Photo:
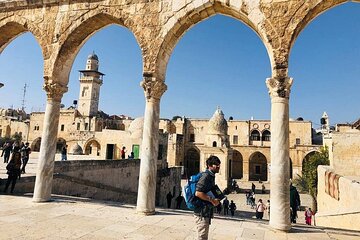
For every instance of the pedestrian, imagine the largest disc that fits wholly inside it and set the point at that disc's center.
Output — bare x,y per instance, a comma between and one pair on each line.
179,199
232,208
25,150
294,202
131,156
6,152
16,147
204,212
308,216
268,207
64,153
253,187
123,151
13,171
169,197
247,195
226,206
260,209
263,189
219,208
252,200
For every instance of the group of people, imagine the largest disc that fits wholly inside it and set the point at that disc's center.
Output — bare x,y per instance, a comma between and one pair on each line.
179,200
16,156
123,153
226,206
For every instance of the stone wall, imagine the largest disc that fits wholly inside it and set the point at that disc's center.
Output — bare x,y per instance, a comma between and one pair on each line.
342,213
104,180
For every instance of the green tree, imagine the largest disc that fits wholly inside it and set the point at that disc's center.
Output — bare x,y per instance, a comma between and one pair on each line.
310,175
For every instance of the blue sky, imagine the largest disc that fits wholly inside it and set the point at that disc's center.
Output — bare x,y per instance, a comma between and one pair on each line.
218,62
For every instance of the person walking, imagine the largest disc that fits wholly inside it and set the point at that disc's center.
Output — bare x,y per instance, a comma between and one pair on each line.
64,153
179,199
308,216
13,171
232,208
294,202
226,206
6,152
253,187
25,150
260,209
204,213
169,197
268,207
123,151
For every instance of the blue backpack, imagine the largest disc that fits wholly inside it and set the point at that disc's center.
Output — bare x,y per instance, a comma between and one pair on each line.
189,192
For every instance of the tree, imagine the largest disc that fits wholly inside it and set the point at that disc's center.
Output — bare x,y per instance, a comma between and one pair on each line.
310,175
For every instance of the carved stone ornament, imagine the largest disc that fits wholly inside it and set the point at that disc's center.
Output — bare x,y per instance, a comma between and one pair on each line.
153,88
279,87
54,90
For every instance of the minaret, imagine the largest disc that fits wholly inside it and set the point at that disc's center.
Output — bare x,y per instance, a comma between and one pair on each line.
90,81
325,124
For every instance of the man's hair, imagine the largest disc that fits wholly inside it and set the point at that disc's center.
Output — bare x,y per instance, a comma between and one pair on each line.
212,160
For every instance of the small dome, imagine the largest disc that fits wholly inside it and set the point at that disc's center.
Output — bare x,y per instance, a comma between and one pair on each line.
77,150
93,56
136,128
218,124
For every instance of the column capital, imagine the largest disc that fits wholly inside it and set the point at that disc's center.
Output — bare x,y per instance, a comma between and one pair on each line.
54,90
279,86
153,88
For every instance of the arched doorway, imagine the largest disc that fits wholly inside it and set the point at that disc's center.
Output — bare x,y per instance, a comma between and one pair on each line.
192,162
60,144
35,145
236,165
92,148
306,160
258,167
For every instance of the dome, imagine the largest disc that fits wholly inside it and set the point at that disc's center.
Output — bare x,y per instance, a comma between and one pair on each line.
136,127
218,124
93,56
77,150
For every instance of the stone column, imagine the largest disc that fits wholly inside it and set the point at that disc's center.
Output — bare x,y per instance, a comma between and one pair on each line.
44,174
153,89
279,90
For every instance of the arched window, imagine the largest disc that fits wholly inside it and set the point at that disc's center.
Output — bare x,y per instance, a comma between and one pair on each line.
255,135
214,144
266,136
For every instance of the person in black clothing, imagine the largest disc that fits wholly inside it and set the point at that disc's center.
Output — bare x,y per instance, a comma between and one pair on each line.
205,211
169,197
232,208
6,152
226,206
179,200
64,153
253,187
294,202
25,150
13,170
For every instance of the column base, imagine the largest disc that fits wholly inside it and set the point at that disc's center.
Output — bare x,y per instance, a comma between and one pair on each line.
145,213
41,200
280,227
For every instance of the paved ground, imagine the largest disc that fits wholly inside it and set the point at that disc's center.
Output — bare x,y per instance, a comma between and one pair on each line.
77,218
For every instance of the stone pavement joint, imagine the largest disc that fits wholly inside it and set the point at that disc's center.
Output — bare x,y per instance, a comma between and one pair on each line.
69,217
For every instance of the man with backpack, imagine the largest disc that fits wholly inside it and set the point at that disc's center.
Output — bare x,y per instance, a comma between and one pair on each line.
203,211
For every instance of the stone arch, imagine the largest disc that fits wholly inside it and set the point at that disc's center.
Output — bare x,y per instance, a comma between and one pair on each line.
35,145
192,162
186,18
258,167
306,159
266,135
255,135
72,41
92,147
60,143
13,27
305,14
236,165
